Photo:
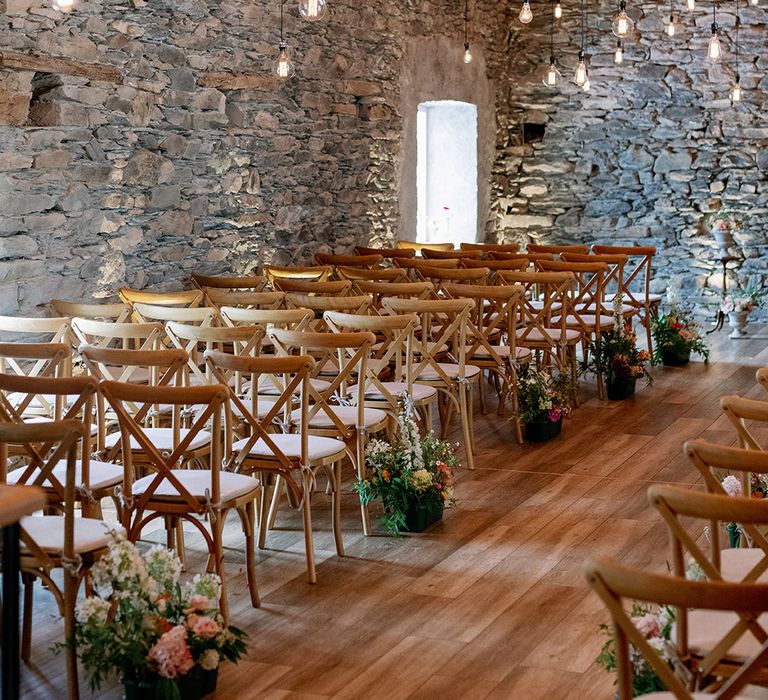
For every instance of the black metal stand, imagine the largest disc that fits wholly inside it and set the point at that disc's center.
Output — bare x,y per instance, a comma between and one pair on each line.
10,623
720,318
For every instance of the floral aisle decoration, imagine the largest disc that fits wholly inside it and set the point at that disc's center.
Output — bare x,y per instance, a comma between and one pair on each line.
411,475
656,627
616,357
164,638
737,305
675,336
722,226
542,402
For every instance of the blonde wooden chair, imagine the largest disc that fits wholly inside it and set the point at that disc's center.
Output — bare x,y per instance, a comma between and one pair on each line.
441,276
318,305
556,249
614,279
381,274
443,336
364,261
413,265
491,247
116,313
190,298
331,288
419,247
57,549
219,298
240,283
285,455
388,253
184,495
428,254
742,412
493,265
29,329
618,586
316,273
406,290
199,315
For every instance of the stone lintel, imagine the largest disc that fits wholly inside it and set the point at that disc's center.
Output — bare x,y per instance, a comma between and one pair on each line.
58,64
237,81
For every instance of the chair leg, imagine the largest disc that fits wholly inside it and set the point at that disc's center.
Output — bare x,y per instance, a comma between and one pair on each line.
465,426
360,470
217,527
277,494
248,516
482,393
70,600
336,503
266,484
306,480
26,627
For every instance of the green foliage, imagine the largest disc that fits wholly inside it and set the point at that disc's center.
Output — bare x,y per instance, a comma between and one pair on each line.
677,332
542,395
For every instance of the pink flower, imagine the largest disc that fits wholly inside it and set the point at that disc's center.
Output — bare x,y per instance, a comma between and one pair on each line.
206,627
199,602
732,485
647,625
171,654
555,414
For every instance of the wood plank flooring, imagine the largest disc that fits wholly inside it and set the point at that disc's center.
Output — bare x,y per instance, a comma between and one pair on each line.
491,602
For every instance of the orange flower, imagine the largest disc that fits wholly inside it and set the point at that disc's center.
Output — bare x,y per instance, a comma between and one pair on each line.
385,475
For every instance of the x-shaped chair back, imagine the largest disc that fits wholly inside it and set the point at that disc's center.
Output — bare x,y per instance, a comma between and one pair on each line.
243,283
55,330
494,265
126,336
407,290
443,324
614,279
618,586
198,315
206,403
440,276
342,357
379,274
79,410
293,319
195,340
35,360
318,273
318,305
637,274
391,357
219,298
190,298
414,266
289,373
330,288
740,412
115,313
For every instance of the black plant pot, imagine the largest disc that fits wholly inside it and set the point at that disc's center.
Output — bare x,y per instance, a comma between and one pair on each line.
194,686
420,516
139,690
675,357
543,430
620,389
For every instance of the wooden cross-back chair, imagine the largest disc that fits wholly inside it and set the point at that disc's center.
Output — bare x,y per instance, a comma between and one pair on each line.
695,629
380,274
619,586
29,329
116,313
316,273
494,265
740,412
274,454
414,265
418,247
491,247
428,254
60,542
439,358
364,261
378,290
241,283
543,313
199,315
614,278
637,282
388,253
189,298
343,359
492,339
318,305
331,288
531,258
556,249
183,495
94,479
219,298
440,276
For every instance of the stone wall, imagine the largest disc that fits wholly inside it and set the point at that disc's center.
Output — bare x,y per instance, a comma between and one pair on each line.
652,150
141,141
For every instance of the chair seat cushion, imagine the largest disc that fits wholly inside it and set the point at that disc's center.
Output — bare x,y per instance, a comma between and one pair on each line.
290,445
429,373
346,414
419,392
102,474
138,375
707,627
737,562
47,531
267,386
589,320
162,438
197,482
501,350
537,336
264,406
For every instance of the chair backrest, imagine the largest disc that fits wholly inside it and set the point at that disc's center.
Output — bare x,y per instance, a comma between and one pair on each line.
318,273
380,274
390,357
35,360
715,462
341,357
541,248
190,298
428,254
55,330
117,313
368,261
335,288
440,276
493,265
378,290
740,412
614,280
386,252
218,298
491,247
637,272
530,257
617,586
199,315
291,376
295,319
320,304
418,247
244,283
205,403
129,336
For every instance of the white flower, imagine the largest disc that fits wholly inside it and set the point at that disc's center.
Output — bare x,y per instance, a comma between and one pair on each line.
92,611
732,485
121,567
208,585
163,566
694,572
209,661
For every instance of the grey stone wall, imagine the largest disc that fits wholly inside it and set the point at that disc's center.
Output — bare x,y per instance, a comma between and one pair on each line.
652,150
140,141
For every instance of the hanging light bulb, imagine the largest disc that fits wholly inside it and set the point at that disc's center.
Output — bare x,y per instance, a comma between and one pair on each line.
754,2
284,68
713,49
467,53
558,10
65,6
671,26
551,76
525,12
580,76
691,5
622,24
618,55
736,90
313,10
587,85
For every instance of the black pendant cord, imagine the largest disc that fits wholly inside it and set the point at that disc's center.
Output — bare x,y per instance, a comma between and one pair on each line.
466,23
552,36
738,24
671,11
714,16
582,26
282,3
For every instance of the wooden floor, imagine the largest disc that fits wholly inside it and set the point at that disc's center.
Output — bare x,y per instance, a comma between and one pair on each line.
491,602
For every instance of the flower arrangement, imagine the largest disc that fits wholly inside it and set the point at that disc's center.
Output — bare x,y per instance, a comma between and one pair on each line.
740,300
542,395
656,628
676,333
407,472
723,222
147,626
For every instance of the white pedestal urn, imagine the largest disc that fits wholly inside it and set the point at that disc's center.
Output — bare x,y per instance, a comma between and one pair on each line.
738,320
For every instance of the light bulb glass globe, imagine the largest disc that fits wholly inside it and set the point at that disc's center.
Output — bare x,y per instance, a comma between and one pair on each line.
754,2
525,13
736,93
622,24
284,68
713,49
467,58
691,4
313,10
618,55
671,27
65,6
551,76
587,85
580,76
558,10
